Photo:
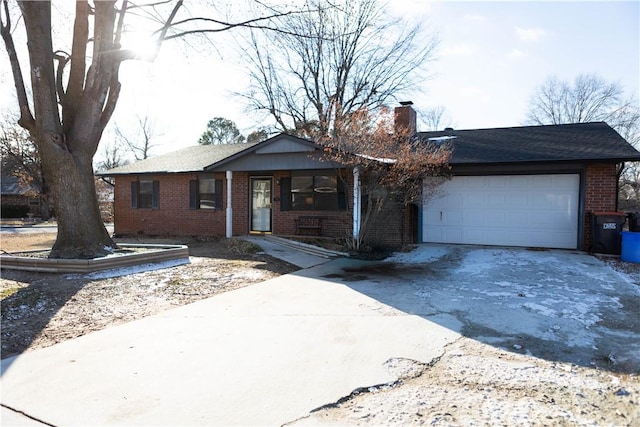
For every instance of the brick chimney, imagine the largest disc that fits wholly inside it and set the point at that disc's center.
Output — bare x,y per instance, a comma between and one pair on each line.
405,118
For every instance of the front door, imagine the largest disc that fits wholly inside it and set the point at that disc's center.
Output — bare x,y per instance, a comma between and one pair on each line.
261,205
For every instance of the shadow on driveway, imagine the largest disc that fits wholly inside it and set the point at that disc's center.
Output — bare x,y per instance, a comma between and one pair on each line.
557,305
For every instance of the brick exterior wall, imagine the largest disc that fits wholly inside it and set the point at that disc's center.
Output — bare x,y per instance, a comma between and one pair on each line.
394,228
601,182
175,218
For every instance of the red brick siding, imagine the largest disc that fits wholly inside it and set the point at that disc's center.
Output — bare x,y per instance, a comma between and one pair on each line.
174,218
394,227
239,203
600,194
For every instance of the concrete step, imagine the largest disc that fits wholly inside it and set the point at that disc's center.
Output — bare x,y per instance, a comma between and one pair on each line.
306,248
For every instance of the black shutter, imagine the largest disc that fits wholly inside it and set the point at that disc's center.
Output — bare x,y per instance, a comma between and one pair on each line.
342,195
135,185
193,194
285,194
218,195
155,200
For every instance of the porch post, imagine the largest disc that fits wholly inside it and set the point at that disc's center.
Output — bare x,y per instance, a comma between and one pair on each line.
229,208
357,210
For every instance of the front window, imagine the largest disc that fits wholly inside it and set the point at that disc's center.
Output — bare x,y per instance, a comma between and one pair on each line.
145,195
314,192
207,193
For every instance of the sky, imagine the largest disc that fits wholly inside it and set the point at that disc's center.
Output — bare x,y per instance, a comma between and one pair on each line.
491,58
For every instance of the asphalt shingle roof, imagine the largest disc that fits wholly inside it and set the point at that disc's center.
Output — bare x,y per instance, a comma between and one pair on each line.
11,185
190,159
527,144
570,142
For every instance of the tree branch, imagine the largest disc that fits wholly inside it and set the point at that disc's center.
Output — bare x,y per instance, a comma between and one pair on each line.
63,60
78,61
26,119
225,26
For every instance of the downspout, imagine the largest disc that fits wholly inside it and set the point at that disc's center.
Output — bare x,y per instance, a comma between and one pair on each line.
357,203
229,208
618,176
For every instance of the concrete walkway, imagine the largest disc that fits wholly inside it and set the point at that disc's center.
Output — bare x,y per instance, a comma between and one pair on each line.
292,256
261,355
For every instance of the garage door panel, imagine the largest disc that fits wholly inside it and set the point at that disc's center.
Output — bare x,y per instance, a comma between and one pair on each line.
518,210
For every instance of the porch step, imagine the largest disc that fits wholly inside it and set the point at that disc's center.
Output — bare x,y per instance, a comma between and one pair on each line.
306,248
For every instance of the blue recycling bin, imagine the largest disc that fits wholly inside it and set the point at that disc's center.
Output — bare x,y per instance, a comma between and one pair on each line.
630,247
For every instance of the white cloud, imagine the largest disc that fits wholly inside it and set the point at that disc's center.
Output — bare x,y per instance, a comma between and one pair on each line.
530,34
461,49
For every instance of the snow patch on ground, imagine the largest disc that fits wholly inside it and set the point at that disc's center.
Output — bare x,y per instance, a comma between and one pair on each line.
419,255
134,269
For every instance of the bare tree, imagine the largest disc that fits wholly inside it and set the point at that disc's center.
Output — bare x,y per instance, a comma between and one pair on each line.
589,99
435,118
592,99
221,131
139,141
112,156
20,159
75,89
332,62
393,165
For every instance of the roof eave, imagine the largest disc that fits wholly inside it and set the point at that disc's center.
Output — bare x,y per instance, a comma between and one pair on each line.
540,161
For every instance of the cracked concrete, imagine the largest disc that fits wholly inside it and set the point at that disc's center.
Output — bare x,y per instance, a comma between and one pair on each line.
403,369
275,351
476,384
260,355
557,305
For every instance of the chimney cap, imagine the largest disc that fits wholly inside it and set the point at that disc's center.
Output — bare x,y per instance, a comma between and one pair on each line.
406,103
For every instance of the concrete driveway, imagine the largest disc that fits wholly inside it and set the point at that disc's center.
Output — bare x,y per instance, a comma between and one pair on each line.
270,353
261,355
553,304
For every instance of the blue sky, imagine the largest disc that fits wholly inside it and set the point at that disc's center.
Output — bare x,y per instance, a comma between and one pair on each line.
492,56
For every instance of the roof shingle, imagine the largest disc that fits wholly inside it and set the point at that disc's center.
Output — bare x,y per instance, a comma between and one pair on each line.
570,142
190,159
527,144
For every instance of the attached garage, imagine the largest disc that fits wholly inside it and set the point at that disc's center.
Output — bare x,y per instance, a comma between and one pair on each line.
530,186
507,210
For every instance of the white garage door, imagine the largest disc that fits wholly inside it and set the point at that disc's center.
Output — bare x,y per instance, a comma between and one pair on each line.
509,210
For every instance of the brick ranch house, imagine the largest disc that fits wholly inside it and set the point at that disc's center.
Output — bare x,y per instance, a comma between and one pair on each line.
532,186
18,199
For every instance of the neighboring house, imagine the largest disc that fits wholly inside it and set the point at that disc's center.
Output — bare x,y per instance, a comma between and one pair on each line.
525,186
17,199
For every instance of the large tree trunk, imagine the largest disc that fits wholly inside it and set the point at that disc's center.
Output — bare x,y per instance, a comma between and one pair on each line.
67,146
81,232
